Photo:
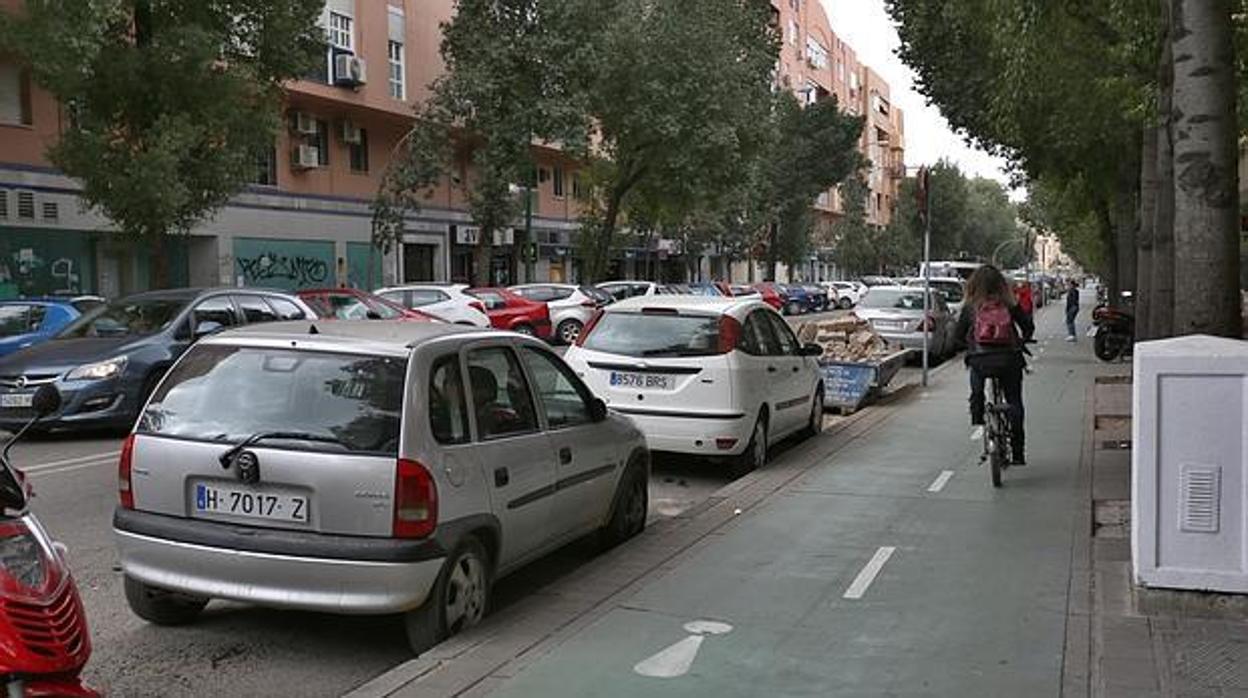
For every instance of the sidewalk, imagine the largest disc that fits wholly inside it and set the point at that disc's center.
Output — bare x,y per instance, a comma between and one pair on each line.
877,560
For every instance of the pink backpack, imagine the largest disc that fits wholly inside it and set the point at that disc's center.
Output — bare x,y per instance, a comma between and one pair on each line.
993,325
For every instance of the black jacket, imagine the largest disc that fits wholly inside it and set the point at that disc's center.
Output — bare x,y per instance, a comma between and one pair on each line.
1006,356
1072,301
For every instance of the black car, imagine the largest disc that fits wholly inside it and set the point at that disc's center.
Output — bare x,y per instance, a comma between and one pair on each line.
107,362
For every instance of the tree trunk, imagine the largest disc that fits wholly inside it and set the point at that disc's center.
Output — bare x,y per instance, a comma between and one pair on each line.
1161,311
482,256
1113,277
773,240
1123,213
602,248
1144,240
158,261
1206,204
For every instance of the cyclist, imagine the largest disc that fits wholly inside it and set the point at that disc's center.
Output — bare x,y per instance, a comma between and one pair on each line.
994,329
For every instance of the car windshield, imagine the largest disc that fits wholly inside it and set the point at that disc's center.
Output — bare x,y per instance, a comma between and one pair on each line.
127,318
222,393
655,335
19,319
951,289
892,298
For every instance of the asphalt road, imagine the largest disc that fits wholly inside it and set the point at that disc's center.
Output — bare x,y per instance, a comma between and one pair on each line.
239,650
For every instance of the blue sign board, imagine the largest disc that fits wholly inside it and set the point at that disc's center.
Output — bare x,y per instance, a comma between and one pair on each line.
846,385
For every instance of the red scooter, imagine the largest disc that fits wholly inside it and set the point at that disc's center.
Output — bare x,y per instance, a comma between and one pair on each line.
44,642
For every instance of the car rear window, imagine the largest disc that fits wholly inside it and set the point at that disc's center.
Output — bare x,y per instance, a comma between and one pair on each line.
655,335
903,300
351,403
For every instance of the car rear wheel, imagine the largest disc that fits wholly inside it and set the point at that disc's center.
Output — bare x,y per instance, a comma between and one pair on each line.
457,601
569,331
161,607
815,426
523,328
755,454
793,308
845,304
628,513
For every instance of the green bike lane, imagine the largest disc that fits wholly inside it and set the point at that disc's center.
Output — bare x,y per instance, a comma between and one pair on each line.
971,599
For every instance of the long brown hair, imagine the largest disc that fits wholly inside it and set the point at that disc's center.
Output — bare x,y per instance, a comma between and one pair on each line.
988,284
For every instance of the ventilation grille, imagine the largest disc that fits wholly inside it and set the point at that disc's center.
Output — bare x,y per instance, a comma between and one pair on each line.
1201,492
4,203
26,205
50,211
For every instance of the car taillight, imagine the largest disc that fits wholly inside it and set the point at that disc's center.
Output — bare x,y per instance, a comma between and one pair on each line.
124,464
29,567
415,500
589,327
729,334
477,305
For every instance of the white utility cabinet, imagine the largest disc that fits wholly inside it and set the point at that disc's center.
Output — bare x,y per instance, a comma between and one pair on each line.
1189,504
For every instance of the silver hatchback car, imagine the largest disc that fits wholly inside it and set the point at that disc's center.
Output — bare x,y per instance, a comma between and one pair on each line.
366,468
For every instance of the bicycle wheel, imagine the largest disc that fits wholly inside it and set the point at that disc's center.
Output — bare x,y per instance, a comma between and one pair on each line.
996,459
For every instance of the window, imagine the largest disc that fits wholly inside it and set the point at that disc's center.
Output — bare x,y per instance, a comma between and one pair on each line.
398,88
266,167
578,187
644,335
816,53
51,212
448,410
26,205
757,338
4,203
217,310
359,153
285,309
14,95
500,395
787,343
558,182
793,32
255,309
564,399
340,35
423,297
322,142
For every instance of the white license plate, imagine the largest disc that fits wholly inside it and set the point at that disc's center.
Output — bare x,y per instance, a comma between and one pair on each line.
232,500
887,325
643,381
15,400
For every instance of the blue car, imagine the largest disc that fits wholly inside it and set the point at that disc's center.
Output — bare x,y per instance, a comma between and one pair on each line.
800,300
29,321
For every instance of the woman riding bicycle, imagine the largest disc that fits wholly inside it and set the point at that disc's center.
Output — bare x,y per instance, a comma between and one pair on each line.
994,330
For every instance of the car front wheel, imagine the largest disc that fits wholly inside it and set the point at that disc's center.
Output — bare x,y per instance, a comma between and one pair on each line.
457,601
628,514
569,331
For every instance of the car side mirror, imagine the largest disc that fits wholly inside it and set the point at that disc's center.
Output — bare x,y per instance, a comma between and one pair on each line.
207,327
812,350
46,400
598,410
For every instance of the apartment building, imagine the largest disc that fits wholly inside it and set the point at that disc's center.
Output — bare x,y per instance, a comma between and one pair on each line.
306,218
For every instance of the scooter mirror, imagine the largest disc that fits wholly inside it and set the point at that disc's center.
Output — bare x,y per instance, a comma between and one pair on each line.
47,399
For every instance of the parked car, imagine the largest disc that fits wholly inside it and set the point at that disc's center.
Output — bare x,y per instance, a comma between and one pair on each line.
800,300
107,362
872,281
371,468
742,291
510,311
772,294
353,304
29,321
708,289
570,306
953,289
896,313
821,298
449,302
848,293
620,290
719,377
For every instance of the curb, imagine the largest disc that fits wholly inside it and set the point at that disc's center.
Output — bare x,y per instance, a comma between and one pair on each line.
477,661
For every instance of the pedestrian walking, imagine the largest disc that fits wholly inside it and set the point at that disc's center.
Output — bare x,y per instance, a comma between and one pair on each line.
1072,311
1022,293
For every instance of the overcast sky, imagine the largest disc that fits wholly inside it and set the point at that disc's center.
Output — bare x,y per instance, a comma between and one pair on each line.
866,26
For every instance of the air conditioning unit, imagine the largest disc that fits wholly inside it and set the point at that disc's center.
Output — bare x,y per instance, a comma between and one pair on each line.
305,123
349,70
306,157
351,133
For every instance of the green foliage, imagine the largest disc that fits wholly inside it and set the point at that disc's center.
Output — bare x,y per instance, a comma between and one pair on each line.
170,101
854,240
1055,207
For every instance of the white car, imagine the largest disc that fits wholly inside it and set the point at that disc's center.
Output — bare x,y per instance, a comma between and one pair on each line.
951,287
366,468
701,375
848,293
571,306
620,290
444,301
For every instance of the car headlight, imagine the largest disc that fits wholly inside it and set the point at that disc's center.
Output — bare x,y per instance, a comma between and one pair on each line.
98,371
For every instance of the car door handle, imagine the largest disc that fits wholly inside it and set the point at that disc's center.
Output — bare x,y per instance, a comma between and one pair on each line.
565,456
771,369
501,477
796,369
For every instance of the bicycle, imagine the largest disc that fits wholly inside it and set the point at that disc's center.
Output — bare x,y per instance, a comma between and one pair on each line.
997,437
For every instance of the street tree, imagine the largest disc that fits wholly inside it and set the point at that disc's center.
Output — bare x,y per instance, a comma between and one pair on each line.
170,103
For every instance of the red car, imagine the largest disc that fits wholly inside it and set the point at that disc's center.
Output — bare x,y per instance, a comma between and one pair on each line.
353,304
511,311
772,295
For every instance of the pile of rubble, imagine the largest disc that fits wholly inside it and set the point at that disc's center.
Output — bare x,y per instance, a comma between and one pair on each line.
847,338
